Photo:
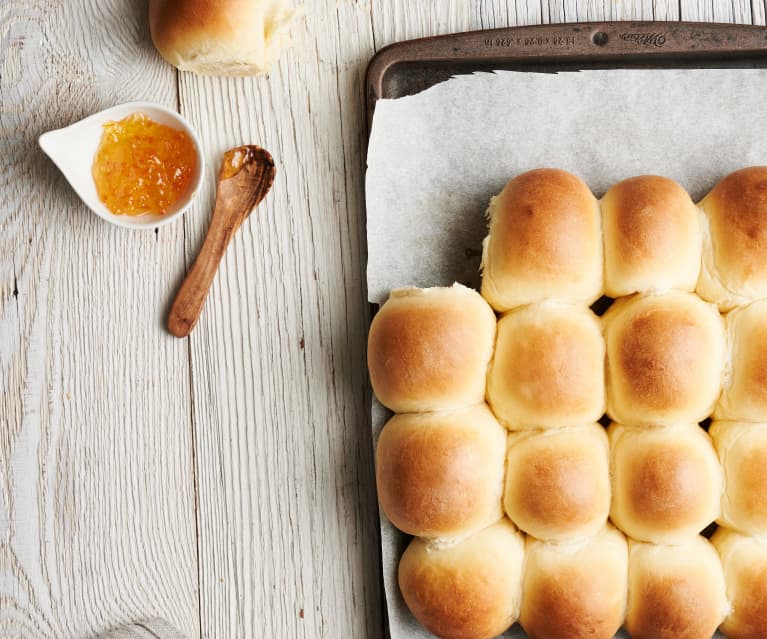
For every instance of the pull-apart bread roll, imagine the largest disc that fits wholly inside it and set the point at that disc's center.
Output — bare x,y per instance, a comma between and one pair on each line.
428,349
441,474
742,450
665,357
735,247
652,237
544,242
667,482
575,591
744,396
548,368
744,561
558,482
221,37
675,592
467,591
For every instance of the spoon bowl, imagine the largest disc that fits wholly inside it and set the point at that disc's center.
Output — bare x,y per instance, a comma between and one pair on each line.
73,150
246,176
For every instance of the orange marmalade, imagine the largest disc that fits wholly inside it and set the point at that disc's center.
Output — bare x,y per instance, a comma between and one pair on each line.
142,166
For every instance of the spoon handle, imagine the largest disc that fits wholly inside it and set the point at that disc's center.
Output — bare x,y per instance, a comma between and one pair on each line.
190,298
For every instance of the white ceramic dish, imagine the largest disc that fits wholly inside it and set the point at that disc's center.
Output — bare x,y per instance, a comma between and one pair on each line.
73,148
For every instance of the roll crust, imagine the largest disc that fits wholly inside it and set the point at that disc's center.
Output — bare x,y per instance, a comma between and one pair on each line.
467,591
744,561
665,358
742,451
558,482
548,368
441,474
735,250
220,37
652,237
675,592
575,591
428,349
667,483
544,242
744,396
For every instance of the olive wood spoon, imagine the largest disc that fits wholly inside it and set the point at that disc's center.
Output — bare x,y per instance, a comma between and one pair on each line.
247,174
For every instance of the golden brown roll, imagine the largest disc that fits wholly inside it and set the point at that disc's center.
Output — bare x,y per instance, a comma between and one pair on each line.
575,591
428,349
744,396
548,368
665,357
558,482
744,561
652,237
467,591
742,450
544,242
441,474
220,37
675,592
667,483
735,243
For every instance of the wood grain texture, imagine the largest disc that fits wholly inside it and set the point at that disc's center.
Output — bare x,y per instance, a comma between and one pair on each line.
108,425
287,509
96,487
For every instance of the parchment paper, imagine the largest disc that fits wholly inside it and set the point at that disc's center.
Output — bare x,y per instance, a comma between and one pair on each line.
435,159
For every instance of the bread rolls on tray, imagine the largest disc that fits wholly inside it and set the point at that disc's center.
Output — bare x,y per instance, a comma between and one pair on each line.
522,505
665,358
742,450
441,474
744,396
467,591
675,592
667,482
744,560
428,349
575,591
558,482
548,367
735,248
544,242
652,235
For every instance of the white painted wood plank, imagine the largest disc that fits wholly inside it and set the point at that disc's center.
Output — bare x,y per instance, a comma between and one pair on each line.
287,508
758,11
96,488
395,20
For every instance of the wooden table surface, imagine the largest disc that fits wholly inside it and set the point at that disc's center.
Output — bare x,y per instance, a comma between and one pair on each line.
224,481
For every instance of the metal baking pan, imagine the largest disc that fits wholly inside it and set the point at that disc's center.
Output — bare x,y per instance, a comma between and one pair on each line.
406,68
409,67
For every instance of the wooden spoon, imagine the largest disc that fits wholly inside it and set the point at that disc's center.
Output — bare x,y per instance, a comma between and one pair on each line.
247,174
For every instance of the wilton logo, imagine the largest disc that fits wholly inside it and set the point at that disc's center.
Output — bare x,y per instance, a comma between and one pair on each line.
646,39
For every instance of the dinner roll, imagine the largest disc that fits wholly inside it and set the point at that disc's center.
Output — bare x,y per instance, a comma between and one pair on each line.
575,591
220,37
441,474
744,561
665,357
558,482
548,368
652,237
544,242
742,450
675,592
744,396
667,483
428,349
467,591
735,245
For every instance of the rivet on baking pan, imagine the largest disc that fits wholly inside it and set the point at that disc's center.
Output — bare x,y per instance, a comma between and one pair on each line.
599,38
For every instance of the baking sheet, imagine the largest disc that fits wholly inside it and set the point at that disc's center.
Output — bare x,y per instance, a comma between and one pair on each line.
436,158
